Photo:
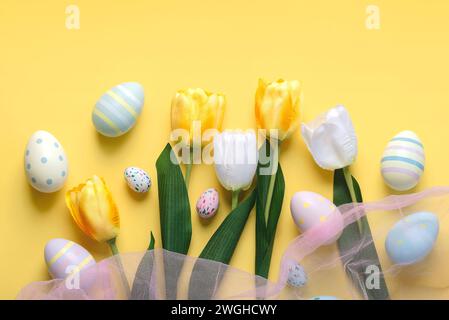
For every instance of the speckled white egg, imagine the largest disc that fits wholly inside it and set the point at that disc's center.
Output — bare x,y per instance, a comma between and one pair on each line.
64,257
297,276
118,109
403,160
137,179
46,164
207,204
310,209
412,238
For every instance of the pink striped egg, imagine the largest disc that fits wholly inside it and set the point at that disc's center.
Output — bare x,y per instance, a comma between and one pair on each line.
207,204
64,257
403,160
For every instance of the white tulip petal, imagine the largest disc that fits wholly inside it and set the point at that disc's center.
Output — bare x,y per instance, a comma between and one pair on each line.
331,139
235,159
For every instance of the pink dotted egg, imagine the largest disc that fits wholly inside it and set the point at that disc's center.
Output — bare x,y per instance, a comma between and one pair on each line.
207,204
310,210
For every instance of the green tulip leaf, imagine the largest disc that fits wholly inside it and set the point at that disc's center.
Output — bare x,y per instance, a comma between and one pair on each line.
352,235
174,206
174,211
266,228
220,247
141,284
222,244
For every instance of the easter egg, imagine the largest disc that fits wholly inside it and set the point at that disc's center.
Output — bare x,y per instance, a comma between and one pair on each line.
324,298
412,238
310,209
45,162
64,257
403,161
118,109
297,276
207,204
138,180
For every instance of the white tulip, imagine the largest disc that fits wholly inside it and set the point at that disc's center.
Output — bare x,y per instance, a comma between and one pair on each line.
331,139
235,157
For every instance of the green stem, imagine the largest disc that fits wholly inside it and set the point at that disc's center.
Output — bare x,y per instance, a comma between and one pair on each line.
189,169
235,198
350,185
271,185
118,259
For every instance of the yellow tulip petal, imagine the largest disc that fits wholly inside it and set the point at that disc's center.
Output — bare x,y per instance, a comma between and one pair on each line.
94,210
197,105
277,106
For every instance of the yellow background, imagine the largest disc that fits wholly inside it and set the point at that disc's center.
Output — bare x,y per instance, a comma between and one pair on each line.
390,79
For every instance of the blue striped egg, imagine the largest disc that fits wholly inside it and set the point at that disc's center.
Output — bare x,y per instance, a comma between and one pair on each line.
118,109
412,238
63,257
403,161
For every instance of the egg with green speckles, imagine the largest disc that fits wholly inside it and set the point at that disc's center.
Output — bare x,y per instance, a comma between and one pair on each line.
46,165
412,238
117,111
403,161
137,179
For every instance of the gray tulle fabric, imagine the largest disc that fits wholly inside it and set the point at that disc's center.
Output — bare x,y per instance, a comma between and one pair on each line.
159,274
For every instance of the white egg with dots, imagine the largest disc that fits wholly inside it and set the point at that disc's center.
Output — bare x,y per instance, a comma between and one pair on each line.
45,161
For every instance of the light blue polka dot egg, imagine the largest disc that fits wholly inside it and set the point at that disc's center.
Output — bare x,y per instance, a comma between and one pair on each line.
403,161
118,109
46,165
412,238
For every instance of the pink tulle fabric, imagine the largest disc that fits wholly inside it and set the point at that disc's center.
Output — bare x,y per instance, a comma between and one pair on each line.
160,274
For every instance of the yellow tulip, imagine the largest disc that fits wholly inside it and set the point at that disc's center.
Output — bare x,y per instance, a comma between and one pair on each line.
94,210
196,104
277,106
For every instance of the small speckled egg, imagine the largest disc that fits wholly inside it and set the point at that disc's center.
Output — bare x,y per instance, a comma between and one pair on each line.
118,109
45,161
297,276
310,209
412,238
403,161
207,204
324,298
63,257
138,180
